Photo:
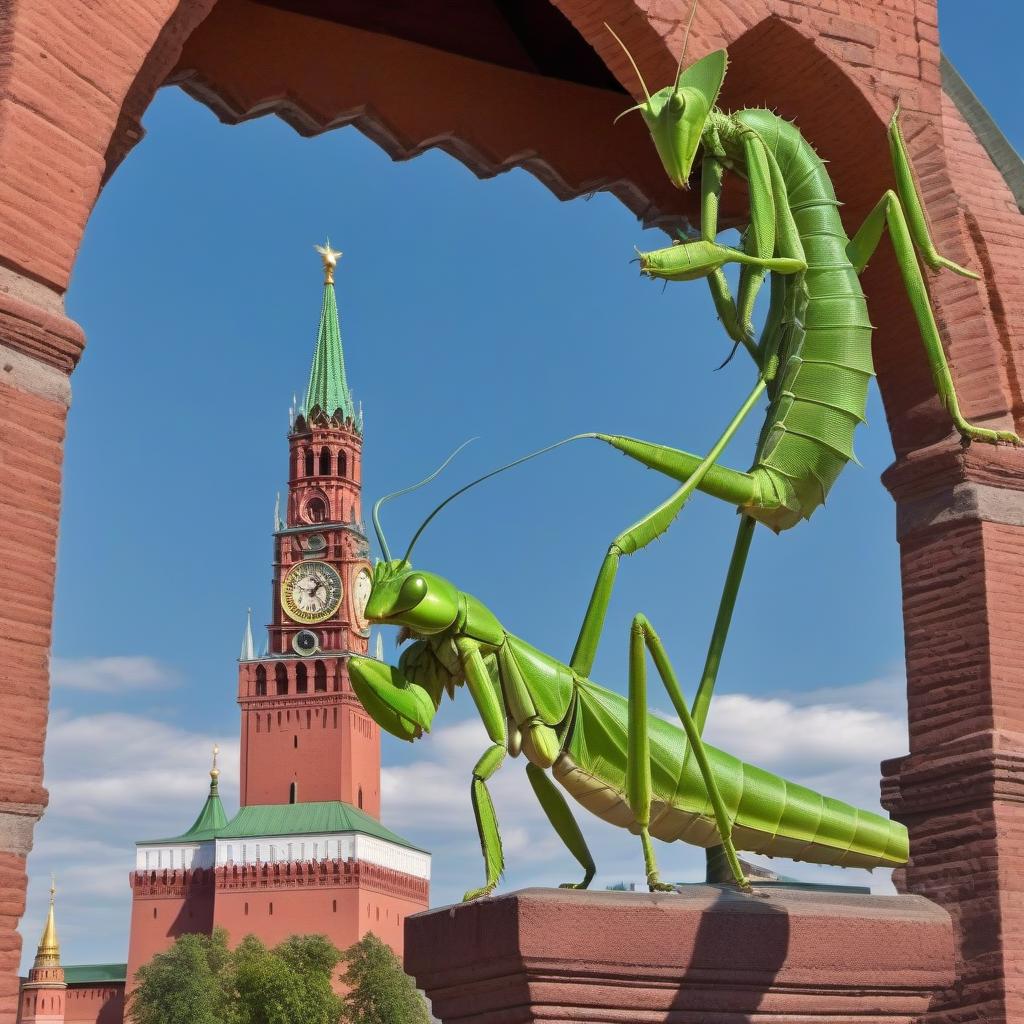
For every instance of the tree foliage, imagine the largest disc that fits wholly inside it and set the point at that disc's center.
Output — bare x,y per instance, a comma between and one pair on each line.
190,983
200,981
380,992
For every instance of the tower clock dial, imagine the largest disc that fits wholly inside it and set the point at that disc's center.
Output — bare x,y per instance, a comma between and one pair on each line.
362,584
311,592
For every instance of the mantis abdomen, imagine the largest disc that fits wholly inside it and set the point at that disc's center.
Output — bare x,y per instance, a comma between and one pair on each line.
771,815
820,329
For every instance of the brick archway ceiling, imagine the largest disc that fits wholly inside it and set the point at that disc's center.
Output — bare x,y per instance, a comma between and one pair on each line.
480,84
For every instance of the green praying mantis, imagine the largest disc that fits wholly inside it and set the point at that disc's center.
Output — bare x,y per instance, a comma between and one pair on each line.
629,767
814,365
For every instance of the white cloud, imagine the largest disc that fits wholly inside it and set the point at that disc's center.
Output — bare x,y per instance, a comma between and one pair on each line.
111,675
113,779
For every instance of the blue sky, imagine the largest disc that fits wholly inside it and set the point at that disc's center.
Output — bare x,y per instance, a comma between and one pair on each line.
468,308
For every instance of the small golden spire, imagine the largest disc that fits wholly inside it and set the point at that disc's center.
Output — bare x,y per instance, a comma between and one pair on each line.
214,770
48,951
330,257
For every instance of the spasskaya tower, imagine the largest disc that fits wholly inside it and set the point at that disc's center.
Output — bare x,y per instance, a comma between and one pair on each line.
305,736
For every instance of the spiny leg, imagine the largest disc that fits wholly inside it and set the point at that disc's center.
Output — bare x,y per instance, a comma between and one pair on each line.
478,682
904,215
638,756
557,810
737,488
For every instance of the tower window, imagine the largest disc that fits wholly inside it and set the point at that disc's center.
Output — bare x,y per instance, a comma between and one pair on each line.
247,909
319,676
334,905
301,679
342,464
261,681
316,510
309,462
293,789
271,909
325,461
360,798
296,745
281,678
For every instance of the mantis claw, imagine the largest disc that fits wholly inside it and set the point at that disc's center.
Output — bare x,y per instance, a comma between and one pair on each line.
971,433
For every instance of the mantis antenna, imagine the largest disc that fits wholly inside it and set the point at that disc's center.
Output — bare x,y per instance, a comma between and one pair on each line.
629,57
481,479
686,40
405,490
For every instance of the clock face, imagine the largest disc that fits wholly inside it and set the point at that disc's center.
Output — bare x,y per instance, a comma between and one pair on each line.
361,587
311,592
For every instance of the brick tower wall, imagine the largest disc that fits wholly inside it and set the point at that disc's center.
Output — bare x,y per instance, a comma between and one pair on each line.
165,904
340,899
321,741
94,1004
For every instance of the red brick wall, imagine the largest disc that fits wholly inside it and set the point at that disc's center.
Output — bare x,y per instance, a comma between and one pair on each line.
94,1004
74,80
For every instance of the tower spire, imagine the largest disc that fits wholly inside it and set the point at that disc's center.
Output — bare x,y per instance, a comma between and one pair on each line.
48,950
248,652
327,390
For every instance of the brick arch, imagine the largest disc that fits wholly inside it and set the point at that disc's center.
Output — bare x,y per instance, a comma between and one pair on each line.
75,80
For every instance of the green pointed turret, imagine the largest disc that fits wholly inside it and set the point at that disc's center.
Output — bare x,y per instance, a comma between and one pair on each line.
327,391
212,817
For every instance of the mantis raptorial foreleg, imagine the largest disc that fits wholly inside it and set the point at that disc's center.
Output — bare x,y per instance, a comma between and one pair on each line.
638,758
903,214
478,682
653,525
562,821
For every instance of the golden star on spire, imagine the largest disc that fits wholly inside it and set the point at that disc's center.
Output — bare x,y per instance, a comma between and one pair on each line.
330,257
215,771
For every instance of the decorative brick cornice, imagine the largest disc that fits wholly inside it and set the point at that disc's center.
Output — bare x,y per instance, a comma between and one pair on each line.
321,874
166,882
973,770
45,335
955,482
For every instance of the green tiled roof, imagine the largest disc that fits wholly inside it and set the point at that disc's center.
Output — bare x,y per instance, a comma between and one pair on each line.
328,385
323,817
207,826
86,974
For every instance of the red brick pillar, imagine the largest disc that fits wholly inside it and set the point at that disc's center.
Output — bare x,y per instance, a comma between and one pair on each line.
37,348
961,788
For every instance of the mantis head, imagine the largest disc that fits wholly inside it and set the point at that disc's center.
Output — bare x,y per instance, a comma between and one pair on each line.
676,115
422,603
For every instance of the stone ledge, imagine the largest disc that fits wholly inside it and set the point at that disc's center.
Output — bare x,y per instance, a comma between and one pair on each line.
708,954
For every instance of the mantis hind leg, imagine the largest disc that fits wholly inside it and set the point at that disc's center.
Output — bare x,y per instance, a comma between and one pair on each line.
562,821
736,488
643,638
903,214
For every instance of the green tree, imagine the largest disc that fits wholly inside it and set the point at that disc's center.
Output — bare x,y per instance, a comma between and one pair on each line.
190,983
380,992
288,984
200,981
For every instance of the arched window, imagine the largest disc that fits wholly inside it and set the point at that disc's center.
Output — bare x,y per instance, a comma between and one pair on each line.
325,461
316,510
342,464
281,678
360,798
309,462
320,676
301,679
293,793
261,681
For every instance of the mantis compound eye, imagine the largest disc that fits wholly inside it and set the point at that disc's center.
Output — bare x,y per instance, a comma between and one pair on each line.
676,103
414,589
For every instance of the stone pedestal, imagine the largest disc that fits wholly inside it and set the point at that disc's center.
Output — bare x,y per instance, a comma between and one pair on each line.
708,955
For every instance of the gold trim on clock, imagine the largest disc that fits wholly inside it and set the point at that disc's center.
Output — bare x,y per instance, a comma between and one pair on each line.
311,591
